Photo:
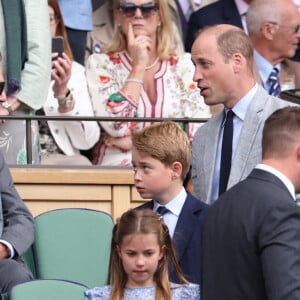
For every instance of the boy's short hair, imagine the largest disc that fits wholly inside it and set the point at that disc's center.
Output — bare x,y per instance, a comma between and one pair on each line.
166,142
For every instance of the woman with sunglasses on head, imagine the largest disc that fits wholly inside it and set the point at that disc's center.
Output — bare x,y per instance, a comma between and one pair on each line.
68,96
140,75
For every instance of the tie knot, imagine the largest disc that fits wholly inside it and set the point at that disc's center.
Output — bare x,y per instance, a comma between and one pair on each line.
162,210
229,114
275,71
274,74
273,81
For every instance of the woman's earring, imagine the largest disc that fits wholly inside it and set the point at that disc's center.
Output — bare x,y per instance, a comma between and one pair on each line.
119,28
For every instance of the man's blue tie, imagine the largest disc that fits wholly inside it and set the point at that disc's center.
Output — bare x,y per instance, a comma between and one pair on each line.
226,152
162,210
274,83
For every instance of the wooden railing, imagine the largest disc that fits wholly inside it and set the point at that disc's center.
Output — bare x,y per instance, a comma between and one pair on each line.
107,189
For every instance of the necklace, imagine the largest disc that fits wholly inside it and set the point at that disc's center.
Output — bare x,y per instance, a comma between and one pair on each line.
148,67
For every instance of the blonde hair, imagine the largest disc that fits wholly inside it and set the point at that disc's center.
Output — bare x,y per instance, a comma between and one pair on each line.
166,142
142,221
165,36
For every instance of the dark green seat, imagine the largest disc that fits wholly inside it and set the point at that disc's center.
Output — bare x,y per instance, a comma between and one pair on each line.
48,290
73,244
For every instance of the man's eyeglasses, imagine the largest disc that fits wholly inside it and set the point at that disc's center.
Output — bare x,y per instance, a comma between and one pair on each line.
2,86
295,29
128,9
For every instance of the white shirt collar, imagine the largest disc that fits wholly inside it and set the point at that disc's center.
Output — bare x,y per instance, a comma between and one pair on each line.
175,205
242,6
241,107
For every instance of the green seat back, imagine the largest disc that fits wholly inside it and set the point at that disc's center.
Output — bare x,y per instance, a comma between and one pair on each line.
73,244
47,290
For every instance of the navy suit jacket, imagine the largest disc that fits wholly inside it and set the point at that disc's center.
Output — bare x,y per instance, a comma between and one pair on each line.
220,12
187,238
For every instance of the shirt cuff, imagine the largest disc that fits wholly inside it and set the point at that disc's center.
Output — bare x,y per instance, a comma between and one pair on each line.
10,247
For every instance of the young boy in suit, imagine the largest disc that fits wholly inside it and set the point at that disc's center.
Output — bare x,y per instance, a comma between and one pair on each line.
161,156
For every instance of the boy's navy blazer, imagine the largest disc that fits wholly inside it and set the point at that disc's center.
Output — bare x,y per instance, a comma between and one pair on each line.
187,238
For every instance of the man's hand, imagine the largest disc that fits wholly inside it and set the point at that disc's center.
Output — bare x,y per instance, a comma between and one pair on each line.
4,251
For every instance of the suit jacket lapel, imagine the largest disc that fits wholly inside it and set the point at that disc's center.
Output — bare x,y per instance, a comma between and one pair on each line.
184,228
248,135
211,145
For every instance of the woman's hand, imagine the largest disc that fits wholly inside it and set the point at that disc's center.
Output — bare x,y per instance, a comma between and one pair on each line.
61,73
138,48
122,143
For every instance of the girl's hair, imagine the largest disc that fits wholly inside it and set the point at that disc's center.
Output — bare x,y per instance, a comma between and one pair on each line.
164,38
142,221
60,27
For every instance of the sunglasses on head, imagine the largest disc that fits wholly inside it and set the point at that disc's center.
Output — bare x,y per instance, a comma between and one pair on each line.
128,9
2,85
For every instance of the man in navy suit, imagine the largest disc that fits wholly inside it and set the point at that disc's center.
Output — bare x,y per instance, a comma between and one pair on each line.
251,235
161,158
220,12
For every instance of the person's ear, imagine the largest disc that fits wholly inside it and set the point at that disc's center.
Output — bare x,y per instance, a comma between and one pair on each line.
298,153
176,170
162,252
238,61
268,30
119,252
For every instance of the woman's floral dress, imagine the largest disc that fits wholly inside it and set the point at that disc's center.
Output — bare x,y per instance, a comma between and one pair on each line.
177,97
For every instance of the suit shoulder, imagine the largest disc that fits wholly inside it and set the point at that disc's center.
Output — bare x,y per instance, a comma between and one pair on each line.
207,15
196,204
213,9
280,103
272,104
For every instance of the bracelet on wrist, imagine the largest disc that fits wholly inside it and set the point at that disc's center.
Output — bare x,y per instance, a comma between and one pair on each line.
7,106
67,103
139,81
63,97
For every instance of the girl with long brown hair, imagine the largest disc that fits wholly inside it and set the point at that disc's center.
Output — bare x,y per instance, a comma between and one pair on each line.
141,249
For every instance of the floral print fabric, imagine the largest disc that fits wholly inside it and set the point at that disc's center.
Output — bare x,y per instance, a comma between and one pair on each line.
177,96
